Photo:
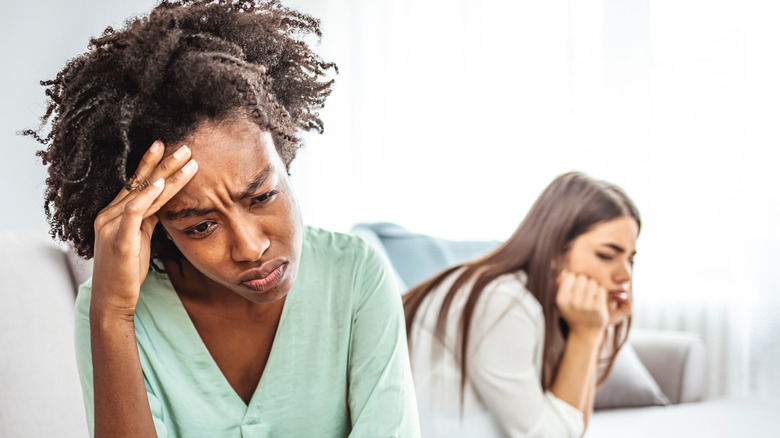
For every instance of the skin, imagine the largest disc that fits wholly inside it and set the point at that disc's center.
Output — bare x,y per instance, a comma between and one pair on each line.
242,219
594,292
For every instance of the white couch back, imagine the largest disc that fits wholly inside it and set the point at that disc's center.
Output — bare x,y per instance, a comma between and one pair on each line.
39,387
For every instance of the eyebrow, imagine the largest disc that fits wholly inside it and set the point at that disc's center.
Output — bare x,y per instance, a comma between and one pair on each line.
248,192
617,248
258,181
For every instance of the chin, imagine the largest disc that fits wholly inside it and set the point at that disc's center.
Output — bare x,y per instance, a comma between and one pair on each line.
266,298
272,295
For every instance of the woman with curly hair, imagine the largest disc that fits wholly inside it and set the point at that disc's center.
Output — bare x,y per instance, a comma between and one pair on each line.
509,344
212,311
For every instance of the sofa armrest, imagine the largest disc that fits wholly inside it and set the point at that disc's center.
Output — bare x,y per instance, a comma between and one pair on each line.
676,360
38,365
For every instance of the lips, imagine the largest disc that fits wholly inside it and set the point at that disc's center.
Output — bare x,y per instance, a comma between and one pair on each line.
266,277
620,295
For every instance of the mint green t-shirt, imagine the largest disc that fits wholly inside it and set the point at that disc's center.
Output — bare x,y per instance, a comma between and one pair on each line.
338,366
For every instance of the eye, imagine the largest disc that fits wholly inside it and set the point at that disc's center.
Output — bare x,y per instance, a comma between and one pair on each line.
265,197
201,230
607,257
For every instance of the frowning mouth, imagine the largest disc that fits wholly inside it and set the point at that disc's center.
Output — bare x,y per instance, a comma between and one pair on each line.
266,277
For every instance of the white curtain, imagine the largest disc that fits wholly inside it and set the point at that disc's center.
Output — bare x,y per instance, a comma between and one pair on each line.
450,117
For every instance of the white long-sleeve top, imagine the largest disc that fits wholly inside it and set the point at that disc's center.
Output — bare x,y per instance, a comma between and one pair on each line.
503,396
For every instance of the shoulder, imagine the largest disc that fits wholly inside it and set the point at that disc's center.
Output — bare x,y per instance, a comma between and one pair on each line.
505,305
505,292
511,289
334,243
156,293
340,250
354,272
505,300
508,296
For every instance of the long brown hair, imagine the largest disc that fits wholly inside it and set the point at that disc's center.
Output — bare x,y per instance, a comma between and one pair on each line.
570,206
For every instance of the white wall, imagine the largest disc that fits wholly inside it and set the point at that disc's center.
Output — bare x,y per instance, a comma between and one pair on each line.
36,39
450,117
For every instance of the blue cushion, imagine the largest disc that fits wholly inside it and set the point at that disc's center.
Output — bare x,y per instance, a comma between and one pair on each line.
417,257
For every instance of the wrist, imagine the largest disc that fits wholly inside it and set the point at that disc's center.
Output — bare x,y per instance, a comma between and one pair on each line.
588,336
104,310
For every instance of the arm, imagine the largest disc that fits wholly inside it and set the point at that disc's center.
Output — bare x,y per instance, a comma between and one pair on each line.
591,397
83,349
123,233
594,384
576,379
121,403
382,402
583,304
505,343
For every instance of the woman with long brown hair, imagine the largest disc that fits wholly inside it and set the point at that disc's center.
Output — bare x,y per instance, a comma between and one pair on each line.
515,343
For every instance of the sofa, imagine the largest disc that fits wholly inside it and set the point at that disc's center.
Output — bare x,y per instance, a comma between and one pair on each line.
40,394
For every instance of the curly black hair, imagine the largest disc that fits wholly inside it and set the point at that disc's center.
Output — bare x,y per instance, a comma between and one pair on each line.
156,79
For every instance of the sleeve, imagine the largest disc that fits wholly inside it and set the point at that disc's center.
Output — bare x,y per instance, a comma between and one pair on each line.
503,372
382,401
83,346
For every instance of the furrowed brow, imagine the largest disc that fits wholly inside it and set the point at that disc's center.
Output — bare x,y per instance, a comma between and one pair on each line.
248,192
258,181
188,212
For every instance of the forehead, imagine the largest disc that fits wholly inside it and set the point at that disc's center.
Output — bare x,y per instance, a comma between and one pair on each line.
623,230
215,143
229,155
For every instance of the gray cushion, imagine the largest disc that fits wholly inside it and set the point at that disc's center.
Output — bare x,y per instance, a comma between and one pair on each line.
676,360
629,384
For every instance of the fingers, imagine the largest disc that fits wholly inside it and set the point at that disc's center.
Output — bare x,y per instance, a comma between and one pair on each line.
172,163
149,161
173,184
581,290
163,169
600,299
582,301
135,212
588,294
565,287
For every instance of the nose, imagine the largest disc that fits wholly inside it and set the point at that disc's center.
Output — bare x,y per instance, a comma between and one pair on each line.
249,242
622,274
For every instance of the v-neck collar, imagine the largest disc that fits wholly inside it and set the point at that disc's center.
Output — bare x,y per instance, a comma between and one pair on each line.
197,349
